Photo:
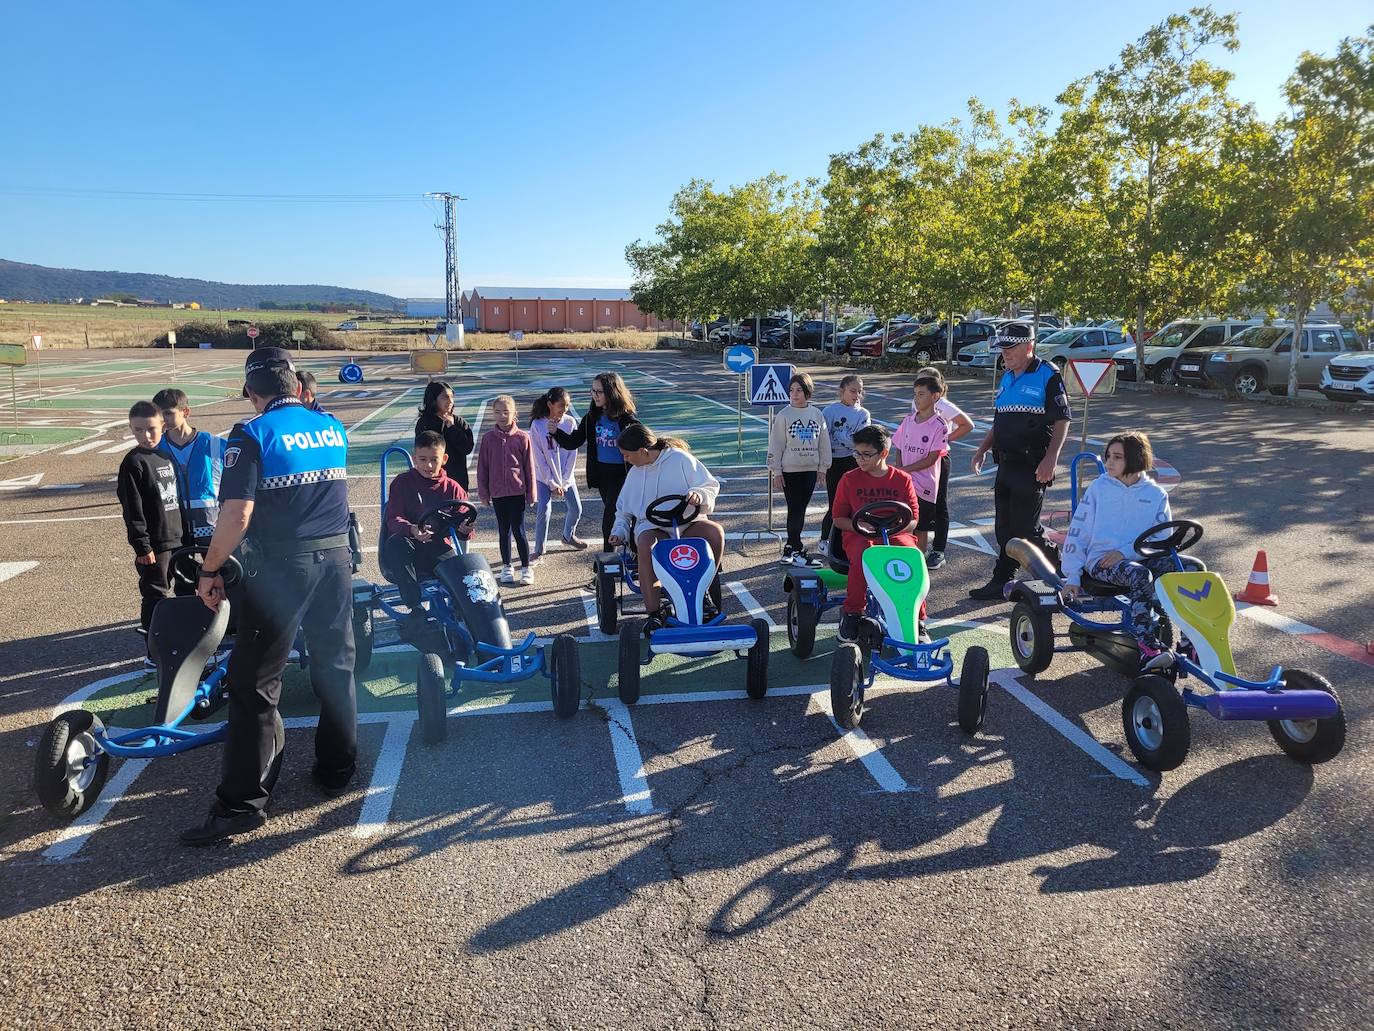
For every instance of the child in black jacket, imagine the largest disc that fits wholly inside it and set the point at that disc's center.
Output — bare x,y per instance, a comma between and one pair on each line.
147,489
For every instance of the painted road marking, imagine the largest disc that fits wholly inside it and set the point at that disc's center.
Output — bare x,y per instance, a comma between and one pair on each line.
862,746
752,606
75,835
629,760
123,445
1109,760
386,774
88,446
20,482
589,605
9,570
1332,643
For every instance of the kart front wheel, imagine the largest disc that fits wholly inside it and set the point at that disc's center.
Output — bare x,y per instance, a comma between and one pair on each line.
1310,741
802,618
1032,637
630,634
847,685
1155,720
973,689
607,611
70,769
756,679
429,698
565,679
362,638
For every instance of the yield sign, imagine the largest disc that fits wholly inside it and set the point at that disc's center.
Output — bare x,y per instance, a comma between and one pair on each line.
1092,376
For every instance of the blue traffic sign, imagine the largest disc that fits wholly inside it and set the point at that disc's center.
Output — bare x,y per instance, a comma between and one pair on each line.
351,373
768,384
740,358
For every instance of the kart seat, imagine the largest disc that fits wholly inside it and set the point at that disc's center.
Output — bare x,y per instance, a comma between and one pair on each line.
182,637
838,560
1100,588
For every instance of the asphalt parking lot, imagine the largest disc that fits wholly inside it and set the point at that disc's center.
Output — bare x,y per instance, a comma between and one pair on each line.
698,859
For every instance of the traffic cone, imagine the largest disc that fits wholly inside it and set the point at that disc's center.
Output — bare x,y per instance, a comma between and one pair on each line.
1257,587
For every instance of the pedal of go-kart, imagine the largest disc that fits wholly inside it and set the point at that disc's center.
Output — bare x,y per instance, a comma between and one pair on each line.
182,638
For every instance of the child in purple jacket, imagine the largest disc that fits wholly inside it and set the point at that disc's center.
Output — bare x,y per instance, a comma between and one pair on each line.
505,481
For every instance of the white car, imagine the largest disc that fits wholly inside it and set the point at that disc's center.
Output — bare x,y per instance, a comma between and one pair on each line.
979,355
1349,377
1169,342
1079,342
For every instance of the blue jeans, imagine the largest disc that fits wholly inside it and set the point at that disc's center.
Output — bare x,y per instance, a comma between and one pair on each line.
543,502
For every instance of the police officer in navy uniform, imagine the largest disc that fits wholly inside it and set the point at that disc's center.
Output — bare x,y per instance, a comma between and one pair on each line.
1030,423
285,489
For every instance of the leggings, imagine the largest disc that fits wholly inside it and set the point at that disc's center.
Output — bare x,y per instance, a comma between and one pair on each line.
797,488
510,520
941,536
543,505
1138,577
610,478
838,467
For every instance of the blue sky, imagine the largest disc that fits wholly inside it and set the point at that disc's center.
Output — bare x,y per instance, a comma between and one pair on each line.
567,127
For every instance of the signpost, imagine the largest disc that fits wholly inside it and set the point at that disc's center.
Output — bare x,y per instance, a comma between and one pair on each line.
1088,378
739,359
351,373
172,344
767,387
430,363
298,335
13,355
252,332
38,365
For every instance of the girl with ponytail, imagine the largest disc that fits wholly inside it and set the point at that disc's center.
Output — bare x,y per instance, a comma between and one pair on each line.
553,468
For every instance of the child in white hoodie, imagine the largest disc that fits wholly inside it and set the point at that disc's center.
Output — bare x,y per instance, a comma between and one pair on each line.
660,466
1115,510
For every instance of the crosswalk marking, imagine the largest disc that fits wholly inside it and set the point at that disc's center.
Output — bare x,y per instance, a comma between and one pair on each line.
88,446
9,570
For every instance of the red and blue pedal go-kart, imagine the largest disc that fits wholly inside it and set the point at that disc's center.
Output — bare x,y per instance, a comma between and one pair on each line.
1302,709
465,624
686,568
184,639
889,635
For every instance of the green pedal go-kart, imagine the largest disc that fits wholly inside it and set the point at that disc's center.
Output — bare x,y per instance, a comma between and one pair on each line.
889,634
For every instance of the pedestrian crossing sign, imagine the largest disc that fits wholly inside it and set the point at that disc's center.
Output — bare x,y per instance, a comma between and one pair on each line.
768,384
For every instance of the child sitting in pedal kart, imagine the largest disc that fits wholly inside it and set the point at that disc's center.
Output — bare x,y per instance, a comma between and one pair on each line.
874,480
1115,510
660,466
409,551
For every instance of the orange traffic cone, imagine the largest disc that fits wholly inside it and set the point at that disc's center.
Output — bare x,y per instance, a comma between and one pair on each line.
1257,587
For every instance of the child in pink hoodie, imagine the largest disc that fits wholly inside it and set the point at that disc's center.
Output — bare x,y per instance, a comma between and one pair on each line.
505,481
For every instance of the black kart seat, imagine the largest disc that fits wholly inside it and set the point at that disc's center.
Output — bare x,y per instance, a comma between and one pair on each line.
1100,588
838,560
181,639
476,597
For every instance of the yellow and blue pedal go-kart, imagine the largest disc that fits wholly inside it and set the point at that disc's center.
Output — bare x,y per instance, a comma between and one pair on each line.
889,634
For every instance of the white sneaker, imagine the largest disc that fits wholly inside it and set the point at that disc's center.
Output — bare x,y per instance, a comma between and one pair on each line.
527,575
823,548
507,575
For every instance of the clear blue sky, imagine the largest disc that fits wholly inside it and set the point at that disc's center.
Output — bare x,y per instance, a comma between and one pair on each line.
567,127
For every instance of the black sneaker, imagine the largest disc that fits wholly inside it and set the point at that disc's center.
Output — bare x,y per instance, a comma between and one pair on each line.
990,591
849,627
935,560
653,623
922,634
332,784
789,554
219,826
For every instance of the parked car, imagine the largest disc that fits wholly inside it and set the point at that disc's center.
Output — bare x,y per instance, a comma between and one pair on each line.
704,331
928,345
1081,342
863,329
744,329
1166,345
872,344
1258,358
979,355
1349,377
808,333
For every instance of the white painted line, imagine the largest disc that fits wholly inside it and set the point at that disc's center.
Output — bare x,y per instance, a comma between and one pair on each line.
629,760
9,570
1105,758
75,835
58,519
477,419
752,606
61,486
862,746
123,445
721,404
378,411
111,425
650,375
589,604
89,446
1261,614
725,696
386,774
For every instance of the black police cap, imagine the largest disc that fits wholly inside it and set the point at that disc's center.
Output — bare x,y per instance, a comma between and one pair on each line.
266,358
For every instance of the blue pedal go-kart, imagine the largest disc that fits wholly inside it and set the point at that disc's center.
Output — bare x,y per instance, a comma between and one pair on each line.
686,569
184,639
465,624
1302,709
812,592
889,634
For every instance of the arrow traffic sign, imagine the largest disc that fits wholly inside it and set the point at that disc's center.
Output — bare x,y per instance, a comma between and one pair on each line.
740,359
768,384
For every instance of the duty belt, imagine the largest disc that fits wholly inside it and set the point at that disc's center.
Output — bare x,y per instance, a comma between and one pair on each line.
285,549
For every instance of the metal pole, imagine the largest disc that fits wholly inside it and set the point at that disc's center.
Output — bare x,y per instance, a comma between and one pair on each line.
14,399
1084,441
739,416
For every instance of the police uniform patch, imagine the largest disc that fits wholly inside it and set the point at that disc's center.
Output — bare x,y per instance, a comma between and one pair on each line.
231,457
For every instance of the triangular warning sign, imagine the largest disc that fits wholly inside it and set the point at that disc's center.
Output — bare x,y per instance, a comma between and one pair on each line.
769,389
1090,372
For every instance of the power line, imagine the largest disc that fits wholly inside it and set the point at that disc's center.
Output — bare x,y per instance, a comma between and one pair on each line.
232,198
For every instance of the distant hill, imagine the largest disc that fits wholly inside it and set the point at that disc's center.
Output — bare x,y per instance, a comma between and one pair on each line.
19,281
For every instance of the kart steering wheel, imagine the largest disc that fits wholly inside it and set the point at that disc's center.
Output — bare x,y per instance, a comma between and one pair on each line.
671,510
1182,535
449,514
879,516
186,562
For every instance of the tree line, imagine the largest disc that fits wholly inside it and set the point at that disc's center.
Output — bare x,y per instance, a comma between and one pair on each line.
1147,192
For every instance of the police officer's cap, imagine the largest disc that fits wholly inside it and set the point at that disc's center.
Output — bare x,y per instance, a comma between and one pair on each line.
1010,336
266,358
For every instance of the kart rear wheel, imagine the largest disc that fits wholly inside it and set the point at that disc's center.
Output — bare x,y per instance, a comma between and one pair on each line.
279,750
756,677
1155,720
973,689
802,618
565,679
607,611
630,634
1032,637
70,769
1310,741
429,698
362,638
847,685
